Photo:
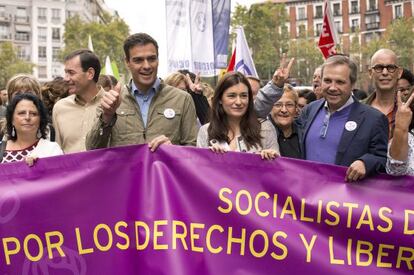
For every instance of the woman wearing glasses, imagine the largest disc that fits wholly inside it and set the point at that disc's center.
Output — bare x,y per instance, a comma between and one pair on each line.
233,123
26,130
400,159
283,115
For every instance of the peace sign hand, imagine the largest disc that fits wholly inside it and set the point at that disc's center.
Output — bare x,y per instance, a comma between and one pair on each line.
196,85
404,114
282,73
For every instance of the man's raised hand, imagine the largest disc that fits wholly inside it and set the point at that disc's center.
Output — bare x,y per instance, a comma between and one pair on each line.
110,102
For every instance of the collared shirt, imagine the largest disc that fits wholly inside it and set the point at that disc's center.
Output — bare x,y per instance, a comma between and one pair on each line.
144,98
72,119
390,116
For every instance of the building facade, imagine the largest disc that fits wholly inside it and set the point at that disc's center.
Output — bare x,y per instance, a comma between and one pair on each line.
36,28
353,19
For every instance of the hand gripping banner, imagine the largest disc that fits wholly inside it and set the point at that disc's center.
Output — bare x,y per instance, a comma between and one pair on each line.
189,211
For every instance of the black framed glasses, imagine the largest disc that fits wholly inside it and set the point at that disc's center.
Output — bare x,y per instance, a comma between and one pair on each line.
379,68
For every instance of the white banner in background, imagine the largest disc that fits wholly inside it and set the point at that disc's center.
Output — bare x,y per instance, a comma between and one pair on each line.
190,39
178,35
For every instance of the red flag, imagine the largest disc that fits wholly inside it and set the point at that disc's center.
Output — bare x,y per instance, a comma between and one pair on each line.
232,62
328,37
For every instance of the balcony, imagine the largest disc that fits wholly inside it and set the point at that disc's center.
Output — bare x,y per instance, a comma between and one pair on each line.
318,15
5,36
372,26
337,13
354,10
372,10
5,17
22,37
354,28
302,17
21,19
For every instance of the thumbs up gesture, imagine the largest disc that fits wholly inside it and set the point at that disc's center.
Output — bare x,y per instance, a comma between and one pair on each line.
110,102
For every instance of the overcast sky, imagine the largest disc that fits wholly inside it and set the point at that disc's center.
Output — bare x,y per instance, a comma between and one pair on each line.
149,16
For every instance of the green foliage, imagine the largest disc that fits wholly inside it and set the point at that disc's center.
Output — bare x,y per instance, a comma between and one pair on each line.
308,57
10,64
107,38
266,34
399,37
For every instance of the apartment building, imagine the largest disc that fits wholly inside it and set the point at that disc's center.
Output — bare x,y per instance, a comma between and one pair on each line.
36,28
353,19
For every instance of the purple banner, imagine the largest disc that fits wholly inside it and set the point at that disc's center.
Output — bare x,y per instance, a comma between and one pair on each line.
190,211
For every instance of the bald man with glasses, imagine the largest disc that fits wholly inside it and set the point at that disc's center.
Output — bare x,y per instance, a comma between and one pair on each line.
384,73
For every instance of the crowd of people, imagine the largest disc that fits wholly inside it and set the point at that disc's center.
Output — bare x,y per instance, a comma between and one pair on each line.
333,123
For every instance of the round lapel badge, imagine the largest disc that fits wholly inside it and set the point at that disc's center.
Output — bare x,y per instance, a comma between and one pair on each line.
350,126
169,113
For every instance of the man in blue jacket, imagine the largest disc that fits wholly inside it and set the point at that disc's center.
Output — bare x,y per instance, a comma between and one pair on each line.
338,129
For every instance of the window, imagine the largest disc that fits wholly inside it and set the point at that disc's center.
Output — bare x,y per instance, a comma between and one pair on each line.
301,13
23,53
55,53
56,14
42,34
318,12
354,24
398,11
354,7
4,31
42,52
372,5
21,12
338,26
318,29
336,9
56,34
21,15
42,71
2,11
22,36
41,14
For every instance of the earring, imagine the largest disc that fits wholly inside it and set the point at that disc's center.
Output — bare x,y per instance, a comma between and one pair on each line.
38,134
13,133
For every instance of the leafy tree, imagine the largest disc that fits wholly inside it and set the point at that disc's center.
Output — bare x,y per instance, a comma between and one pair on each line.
399,36
266,34
307,55
107,38
10,64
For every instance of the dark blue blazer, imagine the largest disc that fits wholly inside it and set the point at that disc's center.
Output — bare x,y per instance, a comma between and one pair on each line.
368,142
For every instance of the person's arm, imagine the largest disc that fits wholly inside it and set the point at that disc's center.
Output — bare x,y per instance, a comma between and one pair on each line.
397,161
273,91
99,135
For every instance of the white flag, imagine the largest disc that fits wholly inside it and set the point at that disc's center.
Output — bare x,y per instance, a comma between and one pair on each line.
108,67
244,61
90,45
190,41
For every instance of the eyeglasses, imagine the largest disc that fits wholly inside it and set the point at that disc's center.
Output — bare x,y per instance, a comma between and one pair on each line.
289,106
379,68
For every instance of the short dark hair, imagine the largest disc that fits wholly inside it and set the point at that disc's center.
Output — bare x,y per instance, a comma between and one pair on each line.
408,75
138,39
39,106
88,59
340,59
